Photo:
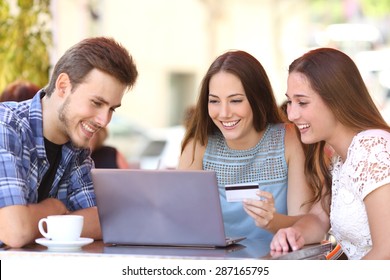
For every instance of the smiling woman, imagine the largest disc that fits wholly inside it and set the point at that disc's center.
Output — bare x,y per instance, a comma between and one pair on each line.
352,191
231,112
237,131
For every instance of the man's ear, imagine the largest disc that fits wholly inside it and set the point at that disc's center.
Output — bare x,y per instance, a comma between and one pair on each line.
63,84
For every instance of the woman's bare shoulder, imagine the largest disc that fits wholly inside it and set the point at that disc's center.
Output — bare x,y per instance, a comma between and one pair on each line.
192,155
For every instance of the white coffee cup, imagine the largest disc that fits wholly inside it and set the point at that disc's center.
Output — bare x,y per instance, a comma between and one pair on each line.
62,228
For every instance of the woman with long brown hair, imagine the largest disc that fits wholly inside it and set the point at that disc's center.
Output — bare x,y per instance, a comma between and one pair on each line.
237,131
329,103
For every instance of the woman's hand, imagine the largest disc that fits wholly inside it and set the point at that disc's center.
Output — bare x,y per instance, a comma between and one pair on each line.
262,211
287,239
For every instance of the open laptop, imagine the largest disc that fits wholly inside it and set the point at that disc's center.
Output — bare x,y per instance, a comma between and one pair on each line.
160,207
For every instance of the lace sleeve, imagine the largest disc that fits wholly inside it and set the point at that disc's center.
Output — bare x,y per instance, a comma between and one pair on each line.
371,163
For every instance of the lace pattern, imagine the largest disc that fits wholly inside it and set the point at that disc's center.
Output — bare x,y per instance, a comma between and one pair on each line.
366,168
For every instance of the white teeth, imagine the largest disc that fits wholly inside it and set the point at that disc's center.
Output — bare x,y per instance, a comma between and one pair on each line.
303,126
229,124
88,128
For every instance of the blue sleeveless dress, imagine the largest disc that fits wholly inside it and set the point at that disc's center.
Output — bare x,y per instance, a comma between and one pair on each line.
264,164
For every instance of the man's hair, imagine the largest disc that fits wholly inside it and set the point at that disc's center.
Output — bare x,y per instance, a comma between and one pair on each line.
104,54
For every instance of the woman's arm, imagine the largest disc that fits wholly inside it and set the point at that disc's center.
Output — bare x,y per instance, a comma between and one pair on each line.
310,228
190,160
298,192
378,212
121,161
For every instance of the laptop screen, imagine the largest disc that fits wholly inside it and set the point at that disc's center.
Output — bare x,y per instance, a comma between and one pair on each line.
159,207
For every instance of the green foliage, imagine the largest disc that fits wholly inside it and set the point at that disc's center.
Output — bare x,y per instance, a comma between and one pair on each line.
326,11
331,11
25,38
376,8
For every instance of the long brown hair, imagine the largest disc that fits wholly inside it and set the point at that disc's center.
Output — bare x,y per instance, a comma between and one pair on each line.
257,89
337,80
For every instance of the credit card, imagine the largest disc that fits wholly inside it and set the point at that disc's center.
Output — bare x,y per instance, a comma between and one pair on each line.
239,192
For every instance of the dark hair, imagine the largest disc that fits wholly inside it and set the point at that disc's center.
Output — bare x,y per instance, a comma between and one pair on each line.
283,111
101,53
19,90
188,115
257,88
337,80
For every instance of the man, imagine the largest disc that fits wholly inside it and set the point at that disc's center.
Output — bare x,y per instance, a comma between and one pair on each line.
44,156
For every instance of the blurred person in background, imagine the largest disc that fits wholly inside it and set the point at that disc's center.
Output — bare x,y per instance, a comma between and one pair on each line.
237,130
105,156
44,149
19,90
170,154
329,103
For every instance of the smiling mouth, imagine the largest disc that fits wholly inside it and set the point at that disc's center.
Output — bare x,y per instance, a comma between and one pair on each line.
89,129
303,126
230,124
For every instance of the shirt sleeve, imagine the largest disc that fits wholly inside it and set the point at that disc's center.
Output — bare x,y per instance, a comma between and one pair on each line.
77,190
13,185
372,163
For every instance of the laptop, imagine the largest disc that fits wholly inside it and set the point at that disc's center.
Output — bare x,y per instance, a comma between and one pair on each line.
160,207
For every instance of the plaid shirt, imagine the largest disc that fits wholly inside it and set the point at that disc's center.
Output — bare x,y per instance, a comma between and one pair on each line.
23,161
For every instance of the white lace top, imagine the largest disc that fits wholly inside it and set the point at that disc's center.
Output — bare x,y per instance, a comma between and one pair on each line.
366,168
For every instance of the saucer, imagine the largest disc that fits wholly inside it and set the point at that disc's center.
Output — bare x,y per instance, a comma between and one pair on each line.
64,245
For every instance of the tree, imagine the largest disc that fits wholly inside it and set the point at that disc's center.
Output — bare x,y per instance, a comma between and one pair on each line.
25,39
334,11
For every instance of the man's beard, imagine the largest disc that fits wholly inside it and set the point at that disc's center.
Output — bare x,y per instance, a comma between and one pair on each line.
66,123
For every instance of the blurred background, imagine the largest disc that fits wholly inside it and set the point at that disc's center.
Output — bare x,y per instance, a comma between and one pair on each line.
173,43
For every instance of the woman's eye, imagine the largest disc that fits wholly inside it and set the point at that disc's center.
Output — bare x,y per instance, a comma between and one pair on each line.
212,101
236,100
